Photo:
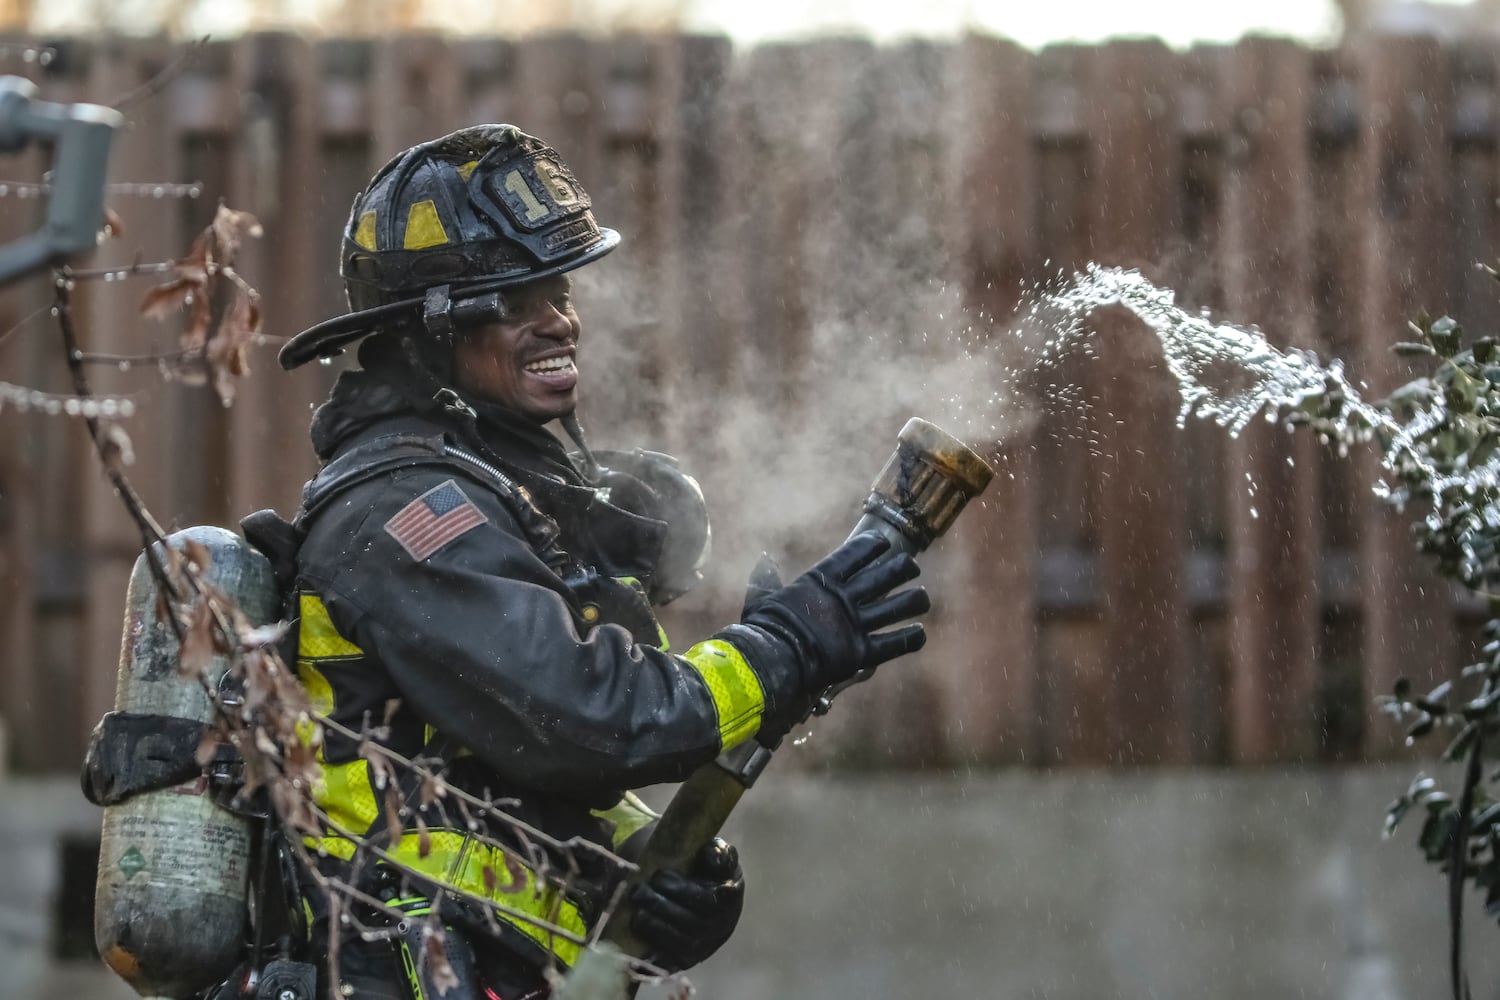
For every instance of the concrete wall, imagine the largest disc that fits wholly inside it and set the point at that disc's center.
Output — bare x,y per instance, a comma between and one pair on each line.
1162,884
1181,884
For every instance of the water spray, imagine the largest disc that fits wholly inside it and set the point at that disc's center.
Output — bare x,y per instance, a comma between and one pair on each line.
914,500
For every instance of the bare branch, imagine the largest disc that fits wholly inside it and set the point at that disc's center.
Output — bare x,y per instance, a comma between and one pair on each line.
167,74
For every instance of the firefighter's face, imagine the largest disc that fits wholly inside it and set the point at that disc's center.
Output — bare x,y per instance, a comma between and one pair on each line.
527,362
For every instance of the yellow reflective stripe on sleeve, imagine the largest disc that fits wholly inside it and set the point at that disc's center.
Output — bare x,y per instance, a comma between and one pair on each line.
423,227
628,815
317,639
736,690
456,860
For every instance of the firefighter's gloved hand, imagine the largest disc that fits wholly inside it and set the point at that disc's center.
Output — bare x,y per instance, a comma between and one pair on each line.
765,580
830,616
686,917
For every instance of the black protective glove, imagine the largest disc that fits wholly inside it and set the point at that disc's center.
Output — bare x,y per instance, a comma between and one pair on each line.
765,580
684,918
828,618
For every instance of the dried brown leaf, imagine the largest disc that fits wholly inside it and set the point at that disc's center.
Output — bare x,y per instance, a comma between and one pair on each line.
296,808
432,789
162,300
257,689
435,954
265,745
382,771
393,827
198,557
230,227
258,636
200,318
301,764
515,874
196,655
115,447
114,226
224,316
208,745
255,770
424,839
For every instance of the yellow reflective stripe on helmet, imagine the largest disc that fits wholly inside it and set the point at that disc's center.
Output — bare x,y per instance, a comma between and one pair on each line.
736,690
423,227
317,639
454,859
468,168
627,816
364,233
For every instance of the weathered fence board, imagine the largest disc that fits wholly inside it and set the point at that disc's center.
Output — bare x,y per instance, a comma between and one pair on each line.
1404,184
1273,596
1132,95
812,231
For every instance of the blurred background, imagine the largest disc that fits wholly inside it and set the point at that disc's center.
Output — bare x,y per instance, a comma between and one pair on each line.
1139,756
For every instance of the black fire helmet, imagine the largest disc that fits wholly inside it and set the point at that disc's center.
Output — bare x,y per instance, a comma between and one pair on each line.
446,225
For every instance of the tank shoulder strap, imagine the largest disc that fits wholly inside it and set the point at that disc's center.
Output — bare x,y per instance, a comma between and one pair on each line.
390,453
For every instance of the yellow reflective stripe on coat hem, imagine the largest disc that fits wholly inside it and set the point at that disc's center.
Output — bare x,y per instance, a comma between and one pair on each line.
459,862
735,689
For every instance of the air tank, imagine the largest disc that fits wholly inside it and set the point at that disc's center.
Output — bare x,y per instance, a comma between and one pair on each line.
170,899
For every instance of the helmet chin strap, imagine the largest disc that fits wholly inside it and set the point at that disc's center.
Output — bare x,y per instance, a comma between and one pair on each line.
591,470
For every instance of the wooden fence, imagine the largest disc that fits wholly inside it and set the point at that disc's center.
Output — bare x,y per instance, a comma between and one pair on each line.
810,231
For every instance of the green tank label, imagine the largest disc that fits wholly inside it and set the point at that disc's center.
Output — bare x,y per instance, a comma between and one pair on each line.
131,863
192,848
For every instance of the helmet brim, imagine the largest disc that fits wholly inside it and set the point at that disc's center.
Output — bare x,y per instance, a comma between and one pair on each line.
329,338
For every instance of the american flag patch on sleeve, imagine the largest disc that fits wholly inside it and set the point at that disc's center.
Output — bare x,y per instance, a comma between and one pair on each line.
433,520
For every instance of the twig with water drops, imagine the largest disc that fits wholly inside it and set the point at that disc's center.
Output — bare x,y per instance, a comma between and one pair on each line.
20,324
39,55
112,445
37,189
166,75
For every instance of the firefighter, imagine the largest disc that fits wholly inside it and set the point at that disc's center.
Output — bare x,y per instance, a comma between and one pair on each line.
458,562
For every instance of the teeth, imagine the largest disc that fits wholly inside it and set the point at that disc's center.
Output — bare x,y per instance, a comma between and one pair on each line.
550,365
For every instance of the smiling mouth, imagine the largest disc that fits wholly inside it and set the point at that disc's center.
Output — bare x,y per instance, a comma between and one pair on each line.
553,366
